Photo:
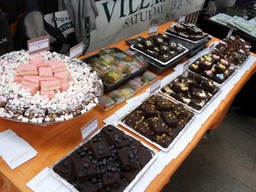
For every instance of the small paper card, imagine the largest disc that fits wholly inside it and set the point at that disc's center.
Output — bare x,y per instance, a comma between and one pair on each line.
155,85
181,68
89,129
153,29
182,18
44,181
38,44
230,32
14,150
76,51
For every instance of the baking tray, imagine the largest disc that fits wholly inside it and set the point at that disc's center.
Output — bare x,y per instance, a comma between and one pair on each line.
157,68
219,84
185,39
160,62
147,166
110,87
217,87
188,40
192,47
177,137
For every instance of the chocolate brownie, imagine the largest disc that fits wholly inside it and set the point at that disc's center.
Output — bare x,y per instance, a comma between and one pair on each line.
144,128
149,110
134,118
170,118
158,125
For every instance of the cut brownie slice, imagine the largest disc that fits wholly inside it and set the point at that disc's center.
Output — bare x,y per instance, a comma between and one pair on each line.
133,118
163,104
84,169
149,110
118,138
158,125
100,149
170,118
144,129
128,160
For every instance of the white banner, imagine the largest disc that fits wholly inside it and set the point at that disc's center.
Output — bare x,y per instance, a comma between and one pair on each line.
120,19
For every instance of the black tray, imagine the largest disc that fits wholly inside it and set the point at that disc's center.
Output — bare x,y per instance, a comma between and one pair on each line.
110,87
192,47
156,67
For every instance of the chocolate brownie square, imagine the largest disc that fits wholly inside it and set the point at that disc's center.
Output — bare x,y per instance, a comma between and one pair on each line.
149,110
84,169
163,140
134,118
170,118
128,160
118,138
158,125
100,149
144,128
163,104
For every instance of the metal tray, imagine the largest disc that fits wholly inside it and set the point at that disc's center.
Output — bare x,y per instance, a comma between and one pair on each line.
160,62
189,107
132,183
110,87
148,139
188,40
192,47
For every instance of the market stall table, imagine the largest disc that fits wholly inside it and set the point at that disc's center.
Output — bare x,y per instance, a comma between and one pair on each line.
54,141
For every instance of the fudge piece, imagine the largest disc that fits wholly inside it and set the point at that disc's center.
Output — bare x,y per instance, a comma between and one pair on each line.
158,125
170,118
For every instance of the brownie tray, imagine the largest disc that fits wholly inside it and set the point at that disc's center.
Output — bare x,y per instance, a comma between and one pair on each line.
106,170
175,130
171,61
194,107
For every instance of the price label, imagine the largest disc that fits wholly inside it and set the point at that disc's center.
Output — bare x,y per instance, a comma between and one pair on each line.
155,85
89,129
38,44
153,29
182,19
230,32
186,65
211,47
77,50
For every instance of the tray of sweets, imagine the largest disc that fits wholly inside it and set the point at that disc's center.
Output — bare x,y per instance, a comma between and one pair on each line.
115,67
158,120
111,160
213,67
234,49
192,47
188,32
46,87
161,49
193,90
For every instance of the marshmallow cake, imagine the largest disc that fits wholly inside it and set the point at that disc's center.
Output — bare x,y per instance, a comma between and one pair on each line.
46,87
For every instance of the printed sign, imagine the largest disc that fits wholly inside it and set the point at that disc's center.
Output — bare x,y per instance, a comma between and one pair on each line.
119,20
76,51
89,129
38,44
155,85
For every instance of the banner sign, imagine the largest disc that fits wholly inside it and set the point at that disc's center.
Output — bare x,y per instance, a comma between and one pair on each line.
120,19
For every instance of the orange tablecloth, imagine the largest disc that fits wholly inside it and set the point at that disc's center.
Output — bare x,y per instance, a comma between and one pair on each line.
55,141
